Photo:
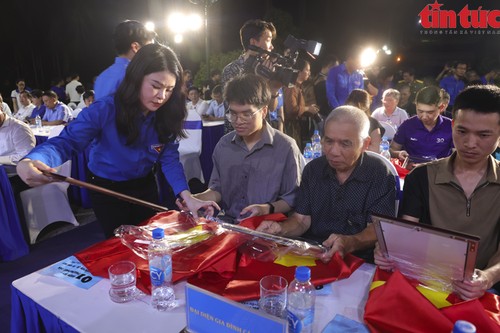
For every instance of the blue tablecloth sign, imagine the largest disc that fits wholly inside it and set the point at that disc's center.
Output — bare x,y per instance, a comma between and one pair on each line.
72,271
208,312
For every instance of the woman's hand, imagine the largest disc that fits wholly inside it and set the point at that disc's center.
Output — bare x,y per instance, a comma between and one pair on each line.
193,204
30,172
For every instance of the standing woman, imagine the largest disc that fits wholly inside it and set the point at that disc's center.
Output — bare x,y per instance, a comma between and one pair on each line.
295,107
131,131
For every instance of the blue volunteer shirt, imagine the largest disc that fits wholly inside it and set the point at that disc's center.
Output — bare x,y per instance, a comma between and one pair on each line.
419,142
38,111
452,87
108,81
110,157
339,83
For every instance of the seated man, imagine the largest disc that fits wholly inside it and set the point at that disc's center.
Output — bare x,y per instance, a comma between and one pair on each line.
390,112
256,168
341,189
462,192
25,107
56,113
195,102
16,139
426,136
216,107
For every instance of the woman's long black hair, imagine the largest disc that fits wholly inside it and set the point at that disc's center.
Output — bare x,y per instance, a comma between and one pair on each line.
170,117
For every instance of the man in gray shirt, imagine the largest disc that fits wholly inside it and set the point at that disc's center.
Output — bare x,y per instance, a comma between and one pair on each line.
256,168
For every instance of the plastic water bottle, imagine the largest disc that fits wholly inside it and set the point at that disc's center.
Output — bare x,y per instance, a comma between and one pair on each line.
160,268
301,299
384,148
308,152
462,326
316,144
38,121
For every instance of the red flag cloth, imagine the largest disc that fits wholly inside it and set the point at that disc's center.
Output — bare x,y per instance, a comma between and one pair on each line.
187,262
213,264
402,172
244,284
397,306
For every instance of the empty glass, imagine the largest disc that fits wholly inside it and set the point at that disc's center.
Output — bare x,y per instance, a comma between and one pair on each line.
123,278
273,295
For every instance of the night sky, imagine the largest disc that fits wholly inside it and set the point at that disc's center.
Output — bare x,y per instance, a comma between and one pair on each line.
45,39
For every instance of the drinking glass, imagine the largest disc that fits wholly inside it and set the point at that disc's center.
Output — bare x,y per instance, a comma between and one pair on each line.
123,278
273,295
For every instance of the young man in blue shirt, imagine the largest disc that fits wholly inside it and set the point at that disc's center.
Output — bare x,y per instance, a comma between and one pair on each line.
129,37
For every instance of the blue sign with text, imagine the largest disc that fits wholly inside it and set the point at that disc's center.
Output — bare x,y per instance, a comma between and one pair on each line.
208,312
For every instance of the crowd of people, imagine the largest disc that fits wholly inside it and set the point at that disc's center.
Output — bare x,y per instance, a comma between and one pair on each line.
143,98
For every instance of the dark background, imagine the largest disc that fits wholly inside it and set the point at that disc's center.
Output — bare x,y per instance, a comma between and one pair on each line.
45,39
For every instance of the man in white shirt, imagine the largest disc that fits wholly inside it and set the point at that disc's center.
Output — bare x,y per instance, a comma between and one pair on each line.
26,107
73,95
390,115
16,139
216,108
195,102
4,106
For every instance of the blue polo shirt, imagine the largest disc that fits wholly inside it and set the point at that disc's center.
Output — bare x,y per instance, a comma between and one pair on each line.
59,112
110,157
419,142
339,83
452,87
38,111
108,81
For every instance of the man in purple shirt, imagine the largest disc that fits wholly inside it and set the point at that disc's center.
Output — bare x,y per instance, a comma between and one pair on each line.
454,83
426,136
129,37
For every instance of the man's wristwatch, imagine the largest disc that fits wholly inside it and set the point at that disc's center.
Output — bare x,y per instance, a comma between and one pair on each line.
271,207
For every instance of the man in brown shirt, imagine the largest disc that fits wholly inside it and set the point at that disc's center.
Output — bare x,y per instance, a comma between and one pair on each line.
462,192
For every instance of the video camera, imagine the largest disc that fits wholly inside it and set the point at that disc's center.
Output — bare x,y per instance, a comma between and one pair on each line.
282,70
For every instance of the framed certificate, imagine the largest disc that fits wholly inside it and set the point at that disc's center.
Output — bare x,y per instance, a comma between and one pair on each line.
431,255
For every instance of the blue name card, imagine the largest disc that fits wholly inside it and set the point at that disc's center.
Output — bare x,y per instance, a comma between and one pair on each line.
209,312
72,271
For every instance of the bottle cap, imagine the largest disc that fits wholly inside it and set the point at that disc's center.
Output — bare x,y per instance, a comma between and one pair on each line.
308,144
158,233
302,273
315,132
384,138
462,326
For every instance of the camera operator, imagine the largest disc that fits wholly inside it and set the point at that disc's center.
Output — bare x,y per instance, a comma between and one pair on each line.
261,34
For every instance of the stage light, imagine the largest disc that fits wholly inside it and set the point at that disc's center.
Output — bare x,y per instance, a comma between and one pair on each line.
149,25
367,57
178,38
176,22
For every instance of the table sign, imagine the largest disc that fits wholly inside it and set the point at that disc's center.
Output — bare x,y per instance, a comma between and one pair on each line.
209,312
72,271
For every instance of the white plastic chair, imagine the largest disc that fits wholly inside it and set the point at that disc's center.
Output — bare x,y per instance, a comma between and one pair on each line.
393,170
47,204
190,147
390,130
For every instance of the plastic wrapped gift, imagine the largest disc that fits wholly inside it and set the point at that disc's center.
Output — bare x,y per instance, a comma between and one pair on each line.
180,234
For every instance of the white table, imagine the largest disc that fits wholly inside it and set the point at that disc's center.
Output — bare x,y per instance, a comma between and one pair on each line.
92,311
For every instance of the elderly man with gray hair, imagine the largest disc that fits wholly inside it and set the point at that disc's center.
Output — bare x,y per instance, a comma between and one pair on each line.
390,113
340,190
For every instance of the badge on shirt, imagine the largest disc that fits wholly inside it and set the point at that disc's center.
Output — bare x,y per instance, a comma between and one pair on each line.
157,147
